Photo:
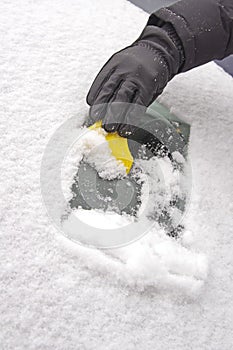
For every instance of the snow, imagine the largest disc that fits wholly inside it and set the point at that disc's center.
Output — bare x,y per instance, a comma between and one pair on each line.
57,294
91,147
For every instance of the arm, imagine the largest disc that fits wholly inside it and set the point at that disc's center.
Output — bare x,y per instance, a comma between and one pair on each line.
205,28
175,39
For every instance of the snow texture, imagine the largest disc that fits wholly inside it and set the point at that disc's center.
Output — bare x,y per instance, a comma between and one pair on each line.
55,294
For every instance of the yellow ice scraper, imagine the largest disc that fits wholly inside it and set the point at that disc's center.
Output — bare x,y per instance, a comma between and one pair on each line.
118,145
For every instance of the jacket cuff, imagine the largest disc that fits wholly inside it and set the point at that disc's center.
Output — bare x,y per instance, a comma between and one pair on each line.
169,29
202,35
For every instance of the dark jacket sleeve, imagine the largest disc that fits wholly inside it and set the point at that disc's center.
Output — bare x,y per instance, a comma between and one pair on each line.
205,28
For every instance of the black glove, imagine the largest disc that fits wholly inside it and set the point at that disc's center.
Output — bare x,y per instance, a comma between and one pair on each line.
135,75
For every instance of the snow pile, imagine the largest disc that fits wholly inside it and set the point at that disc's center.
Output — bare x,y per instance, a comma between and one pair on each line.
91,147
165,182
96,152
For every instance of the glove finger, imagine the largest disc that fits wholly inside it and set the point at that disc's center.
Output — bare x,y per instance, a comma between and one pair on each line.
101,79
118,105
135,115
133,118
96,113
98,109
109,89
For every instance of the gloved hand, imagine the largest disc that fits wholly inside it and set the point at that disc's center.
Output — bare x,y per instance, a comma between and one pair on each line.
136,75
